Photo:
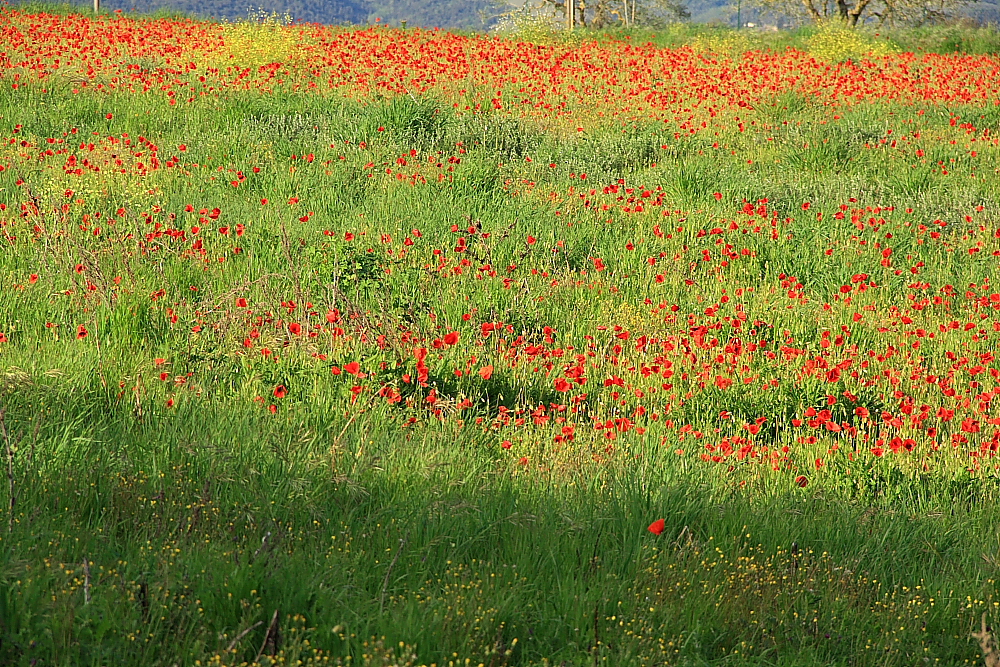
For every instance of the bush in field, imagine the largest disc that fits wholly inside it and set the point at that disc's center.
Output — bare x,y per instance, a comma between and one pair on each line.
259,39
727,43
530,23
834,41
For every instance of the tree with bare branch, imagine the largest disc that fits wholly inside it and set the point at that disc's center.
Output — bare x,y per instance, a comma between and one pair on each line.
859,12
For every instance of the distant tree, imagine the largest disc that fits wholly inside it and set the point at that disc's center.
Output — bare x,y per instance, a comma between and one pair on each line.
464,14
659,13
598,14
310,11
856,12
918,12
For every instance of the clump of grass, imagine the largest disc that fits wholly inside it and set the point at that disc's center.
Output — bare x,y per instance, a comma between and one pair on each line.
948,38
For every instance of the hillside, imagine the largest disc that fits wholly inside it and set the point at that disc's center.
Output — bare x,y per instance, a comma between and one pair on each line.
462,14
454,14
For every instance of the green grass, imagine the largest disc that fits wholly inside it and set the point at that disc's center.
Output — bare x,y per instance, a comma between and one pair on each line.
165,521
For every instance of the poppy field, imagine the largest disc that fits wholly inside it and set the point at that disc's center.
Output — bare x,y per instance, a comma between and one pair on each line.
370,346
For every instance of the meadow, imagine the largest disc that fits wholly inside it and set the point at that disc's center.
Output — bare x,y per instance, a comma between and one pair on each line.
369,346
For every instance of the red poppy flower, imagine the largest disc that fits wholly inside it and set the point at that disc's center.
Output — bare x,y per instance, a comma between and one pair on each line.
970,425
486,372
657,526
801,481
280,391
451,338
81,332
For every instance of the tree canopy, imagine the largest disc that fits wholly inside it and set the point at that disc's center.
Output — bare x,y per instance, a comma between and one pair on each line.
857,12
